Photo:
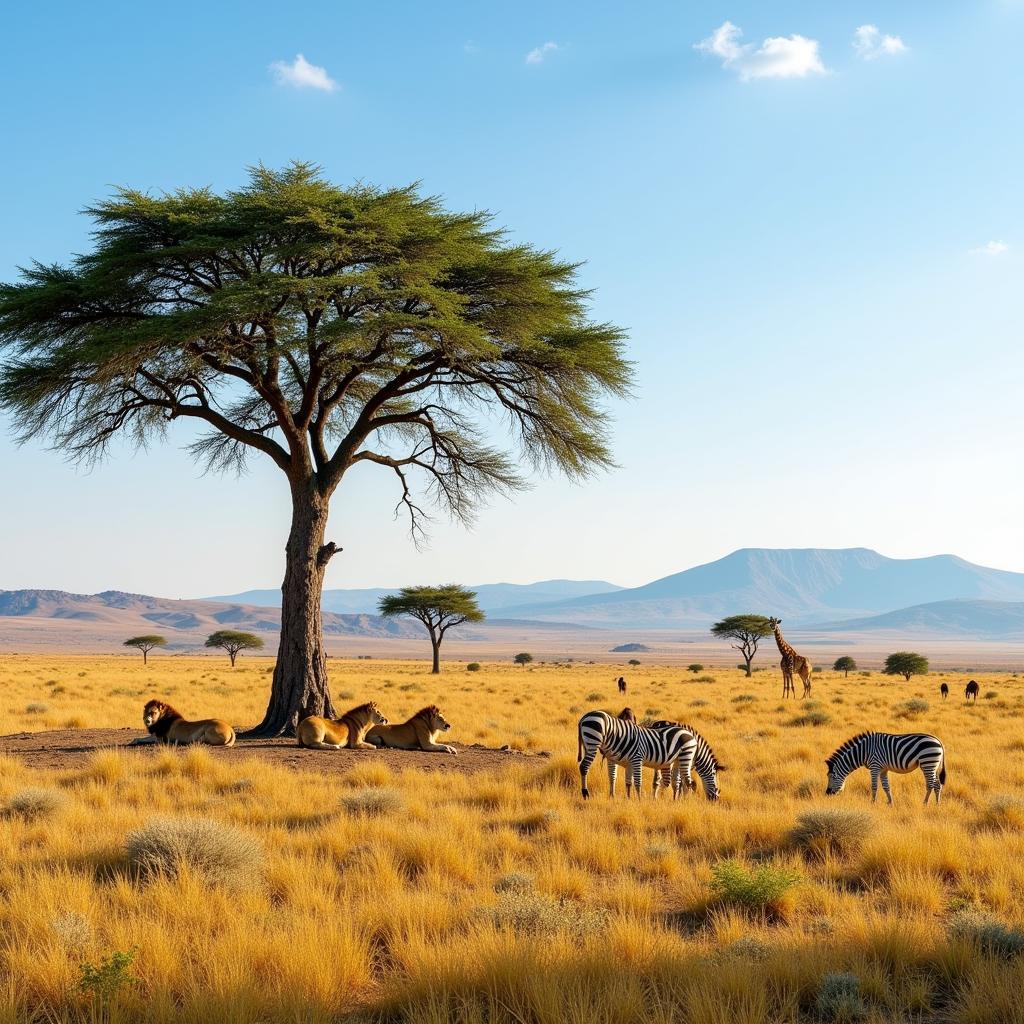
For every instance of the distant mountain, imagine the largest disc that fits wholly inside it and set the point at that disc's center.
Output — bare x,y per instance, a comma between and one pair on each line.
492,597
185,623
800,585
1002,620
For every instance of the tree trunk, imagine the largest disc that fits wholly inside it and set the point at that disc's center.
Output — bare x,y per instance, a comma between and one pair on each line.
435,644
299,687
145,656
232,655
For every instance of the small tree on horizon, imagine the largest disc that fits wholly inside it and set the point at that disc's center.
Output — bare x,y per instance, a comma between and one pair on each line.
233,641
523,658
845,664
906,664
438,608
747,631
146,644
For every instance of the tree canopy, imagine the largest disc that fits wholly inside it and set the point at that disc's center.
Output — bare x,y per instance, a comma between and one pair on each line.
438,608
523,658
146,643
906,664
845,664
746,632
233,641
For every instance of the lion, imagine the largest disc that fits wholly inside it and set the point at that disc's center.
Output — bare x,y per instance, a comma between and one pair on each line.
417,734
166,725
335,733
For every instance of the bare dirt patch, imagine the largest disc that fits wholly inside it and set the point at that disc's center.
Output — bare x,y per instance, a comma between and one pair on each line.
72,748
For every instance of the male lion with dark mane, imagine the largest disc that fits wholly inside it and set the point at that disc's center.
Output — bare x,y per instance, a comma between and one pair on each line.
335,733
165,725
419,733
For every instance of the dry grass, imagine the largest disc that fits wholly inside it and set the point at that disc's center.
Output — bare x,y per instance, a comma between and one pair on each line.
424,898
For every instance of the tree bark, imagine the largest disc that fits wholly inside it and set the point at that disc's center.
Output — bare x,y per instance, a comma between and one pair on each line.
145,656
299,687
436,644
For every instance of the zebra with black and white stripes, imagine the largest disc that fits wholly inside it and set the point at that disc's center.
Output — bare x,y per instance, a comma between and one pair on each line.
884,752
704,763
627,743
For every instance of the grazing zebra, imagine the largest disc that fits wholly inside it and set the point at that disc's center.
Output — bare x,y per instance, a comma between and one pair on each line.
971,691
884,752
627,743
705,764
944,690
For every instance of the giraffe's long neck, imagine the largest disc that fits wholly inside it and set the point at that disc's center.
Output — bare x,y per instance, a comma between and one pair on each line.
784,648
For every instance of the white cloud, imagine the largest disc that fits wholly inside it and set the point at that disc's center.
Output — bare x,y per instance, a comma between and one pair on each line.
470,47
539,53
777,57
300,74
869,43
993,248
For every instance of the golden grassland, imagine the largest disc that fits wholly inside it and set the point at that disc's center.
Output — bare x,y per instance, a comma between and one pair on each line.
418,897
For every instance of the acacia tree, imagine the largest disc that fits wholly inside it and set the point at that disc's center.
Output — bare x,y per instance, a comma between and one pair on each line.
323,328
523,658
438,608
845,664
146,644
746,632
233,641
906,664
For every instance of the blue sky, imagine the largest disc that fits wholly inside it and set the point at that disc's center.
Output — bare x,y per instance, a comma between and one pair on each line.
813,235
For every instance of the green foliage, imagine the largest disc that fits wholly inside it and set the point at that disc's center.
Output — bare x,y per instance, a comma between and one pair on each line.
761,890
104,980
147,642
438,608
473,666
695,667
811,716
906,664
523,658
634,662
746,632
845,664
233,641
911,708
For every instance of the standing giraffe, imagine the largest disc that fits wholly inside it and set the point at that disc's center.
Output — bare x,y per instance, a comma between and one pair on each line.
791,661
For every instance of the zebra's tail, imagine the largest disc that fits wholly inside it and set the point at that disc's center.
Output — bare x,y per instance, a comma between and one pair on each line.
942,773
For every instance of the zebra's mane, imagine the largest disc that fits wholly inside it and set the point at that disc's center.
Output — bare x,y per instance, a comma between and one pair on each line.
843,747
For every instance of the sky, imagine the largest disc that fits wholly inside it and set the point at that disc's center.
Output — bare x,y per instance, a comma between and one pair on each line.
807,216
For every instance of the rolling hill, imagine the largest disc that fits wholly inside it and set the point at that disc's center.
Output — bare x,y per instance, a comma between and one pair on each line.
1003,620
800,585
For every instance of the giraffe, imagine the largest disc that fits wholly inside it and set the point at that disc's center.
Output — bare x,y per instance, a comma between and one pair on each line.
791,661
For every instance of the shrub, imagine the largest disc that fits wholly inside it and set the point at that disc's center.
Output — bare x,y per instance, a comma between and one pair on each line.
695,667
744,698
373,800
536,913
746,948
763,891
345,694
35,802
595,697
73,930
842,832
991,694
104,980
222,855
990,934
36,708
910,708
814,717
473,666
705,679
514,881
839,999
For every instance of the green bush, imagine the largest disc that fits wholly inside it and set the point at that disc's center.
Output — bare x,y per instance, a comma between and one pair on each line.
473,666
991,936
910,708
762,890
839,999
744,698
104,980
695,667
836,831
811,718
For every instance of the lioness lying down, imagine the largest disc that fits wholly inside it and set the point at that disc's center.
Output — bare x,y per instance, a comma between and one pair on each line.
419,733
166,725
335,733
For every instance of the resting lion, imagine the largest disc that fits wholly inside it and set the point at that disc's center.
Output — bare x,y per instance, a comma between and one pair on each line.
166,725
335,733
417,734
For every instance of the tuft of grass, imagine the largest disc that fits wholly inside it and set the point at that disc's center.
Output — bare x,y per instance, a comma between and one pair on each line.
594,698
833,831
705,679
36,708
373,800
515,880
74,931
1004,813
34,803
527,912
992,937
911,708
744,698
839,999
766,890
811,717
219,853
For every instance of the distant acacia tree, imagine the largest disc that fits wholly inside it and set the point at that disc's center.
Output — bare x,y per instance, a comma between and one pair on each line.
523,658
634,662
233,641
845,664
746,632
906,664
146,644
438,608
322,328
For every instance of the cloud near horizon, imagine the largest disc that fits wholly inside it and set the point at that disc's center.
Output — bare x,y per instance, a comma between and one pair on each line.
792,56
993,248
300,74
869,43
539,53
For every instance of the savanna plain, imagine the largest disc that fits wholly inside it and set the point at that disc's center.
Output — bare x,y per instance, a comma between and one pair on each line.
179,885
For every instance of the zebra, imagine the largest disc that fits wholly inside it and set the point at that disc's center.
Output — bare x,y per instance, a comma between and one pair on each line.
883,752
705,764
624,742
